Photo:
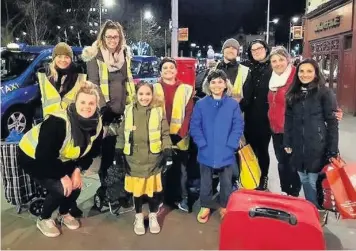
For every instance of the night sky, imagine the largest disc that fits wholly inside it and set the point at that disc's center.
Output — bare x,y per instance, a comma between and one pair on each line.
212,21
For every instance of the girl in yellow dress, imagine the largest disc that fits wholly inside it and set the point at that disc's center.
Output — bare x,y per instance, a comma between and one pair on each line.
144,140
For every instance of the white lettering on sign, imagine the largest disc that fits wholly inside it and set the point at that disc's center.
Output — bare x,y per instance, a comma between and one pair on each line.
9,88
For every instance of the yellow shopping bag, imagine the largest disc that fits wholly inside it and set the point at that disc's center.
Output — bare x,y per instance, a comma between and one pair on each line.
250,172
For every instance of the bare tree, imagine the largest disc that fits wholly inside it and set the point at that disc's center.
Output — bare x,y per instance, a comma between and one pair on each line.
152,33
11,24
36,14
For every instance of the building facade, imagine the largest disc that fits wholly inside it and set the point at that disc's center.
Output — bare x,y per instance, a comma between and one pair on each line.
330,39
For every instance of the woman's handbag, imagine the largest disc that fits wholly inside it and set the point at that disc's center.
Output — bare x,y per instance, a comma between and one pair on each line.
250,172
342,180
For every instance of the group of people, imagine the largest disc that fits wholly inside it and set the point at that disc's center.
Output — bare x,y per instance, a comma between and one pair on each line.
104,113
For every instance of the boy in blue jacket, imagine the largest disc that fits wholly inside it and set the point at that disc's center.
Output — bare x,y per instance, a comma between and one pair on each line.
216,127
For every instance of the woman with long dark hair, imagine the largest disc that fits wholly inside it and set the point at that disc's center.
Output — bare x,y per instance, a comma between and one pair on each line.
311,127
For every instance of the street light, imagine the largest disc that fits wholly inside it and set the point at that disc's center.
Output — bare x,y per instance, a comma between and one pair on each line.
275,20
58,27
193,45
291,24
147,16
107,3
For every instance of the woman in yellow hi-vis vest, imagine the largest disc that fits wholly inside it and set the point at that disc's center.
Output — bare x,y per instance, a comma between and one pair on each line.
108,66
56,150
178,109
144,140
59,82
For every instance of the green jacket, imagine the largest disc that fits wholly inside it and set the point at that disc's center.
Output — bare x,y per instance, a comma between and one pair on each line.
142,163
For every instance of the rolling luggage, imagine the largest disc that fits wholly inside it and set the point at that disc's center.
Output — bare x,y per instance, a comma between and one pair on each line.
258,220
20,189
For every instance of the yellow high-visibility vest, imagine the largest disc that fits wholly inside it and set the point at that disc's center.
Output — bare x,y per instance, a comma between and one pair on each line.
180,101
29,141
104,81
50,97
154,129
241,77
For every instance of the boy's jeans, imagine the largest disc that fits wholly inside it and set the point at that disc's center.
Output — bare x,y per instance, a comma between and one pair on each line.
206,189
309,186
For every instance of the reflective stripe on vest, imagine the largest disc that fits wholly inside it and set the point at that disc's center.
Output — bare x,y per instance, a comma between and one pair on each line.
241,77
104,81
180,101
68,151
51,99
154,129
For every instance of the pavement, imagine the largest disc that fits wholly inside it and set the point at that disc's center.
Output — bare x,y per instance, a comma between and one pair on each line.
179,230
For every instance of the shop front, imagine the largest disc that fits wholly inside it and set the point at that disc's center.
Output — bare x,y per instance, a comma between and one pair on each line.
328,33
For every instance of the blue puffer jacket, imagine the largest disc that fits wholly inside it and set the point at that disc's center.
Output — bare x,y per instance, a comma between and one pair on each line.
216,127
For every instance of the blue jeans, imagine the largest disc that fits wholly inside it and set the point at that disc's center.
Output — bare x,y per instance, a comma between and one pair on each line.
206,186
309,186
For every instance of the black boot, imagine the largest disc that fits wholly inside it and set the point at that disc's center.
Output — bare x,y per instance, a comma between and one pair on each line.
263,184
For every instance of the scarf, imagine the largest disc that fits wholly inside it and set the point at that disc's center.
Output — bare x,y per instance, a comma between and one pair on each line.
277,81
82,128
66,79
115,60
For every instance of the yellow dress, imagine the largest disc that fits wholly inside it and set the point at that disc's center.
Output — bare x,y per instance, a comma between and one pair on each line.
143,186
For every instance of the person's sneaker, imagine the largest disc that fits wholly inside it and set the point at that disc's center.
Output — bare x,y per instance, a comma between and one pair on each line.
48,227
69,221
323,217
183,205
263,184
284,193
153,223
203,215
139,225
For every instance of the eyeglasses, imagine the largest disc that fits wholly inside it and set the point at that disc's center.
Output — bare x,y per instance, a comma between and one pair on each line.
112,37
259,49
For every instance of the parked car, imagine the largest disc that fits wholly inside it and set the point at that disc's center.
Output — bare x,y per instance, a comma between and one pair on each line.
20,94
145,68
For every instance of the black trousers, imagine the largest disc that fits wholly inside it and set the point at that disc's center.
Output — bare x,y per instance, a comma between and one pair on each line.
107,157
259,141
55,198
152,203
289,178
175,180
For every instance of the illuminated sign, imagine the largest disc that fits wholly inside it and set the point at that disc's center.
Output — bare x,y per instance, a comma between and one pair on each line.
329,24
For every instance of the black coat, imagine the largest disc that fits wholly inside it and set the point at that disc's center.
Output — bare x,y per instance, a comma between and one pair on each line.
256,110
47,165
311,129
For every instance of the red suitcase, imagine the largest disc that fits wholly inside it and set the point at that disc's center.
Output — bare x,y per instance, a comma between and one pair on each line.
262,220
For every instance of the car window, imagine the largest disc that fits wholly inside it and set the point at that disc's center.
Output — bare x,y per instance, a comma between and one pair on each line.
13,64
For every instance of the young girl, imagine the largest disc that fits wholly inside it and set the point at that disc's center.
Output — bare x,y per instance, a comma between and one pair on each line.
311,127
216,128
144,139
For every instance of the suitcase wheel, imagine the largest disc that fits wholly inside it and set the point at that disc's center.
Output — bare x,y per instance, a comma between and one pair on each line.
18,209
98,202
36,206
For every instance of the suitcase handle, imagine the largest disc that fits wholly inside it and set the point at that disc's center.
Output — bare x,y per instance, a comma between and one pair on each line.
274,214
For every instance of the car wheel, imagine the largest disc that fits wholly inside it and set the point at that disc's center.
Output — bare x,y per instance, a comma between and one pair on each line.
17,118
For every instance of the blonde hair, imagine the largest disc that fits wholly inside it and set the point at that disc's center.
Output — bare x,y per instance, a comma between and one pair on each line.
280,51
52,71
114,26
88,87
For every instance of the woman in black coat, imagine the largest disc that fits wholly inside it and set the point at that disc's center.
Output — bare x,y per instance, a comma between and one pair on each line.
311,127
257,128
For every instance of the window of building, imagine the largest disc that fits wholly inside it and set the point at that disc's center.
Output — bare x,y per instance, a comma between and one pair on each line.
348,42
